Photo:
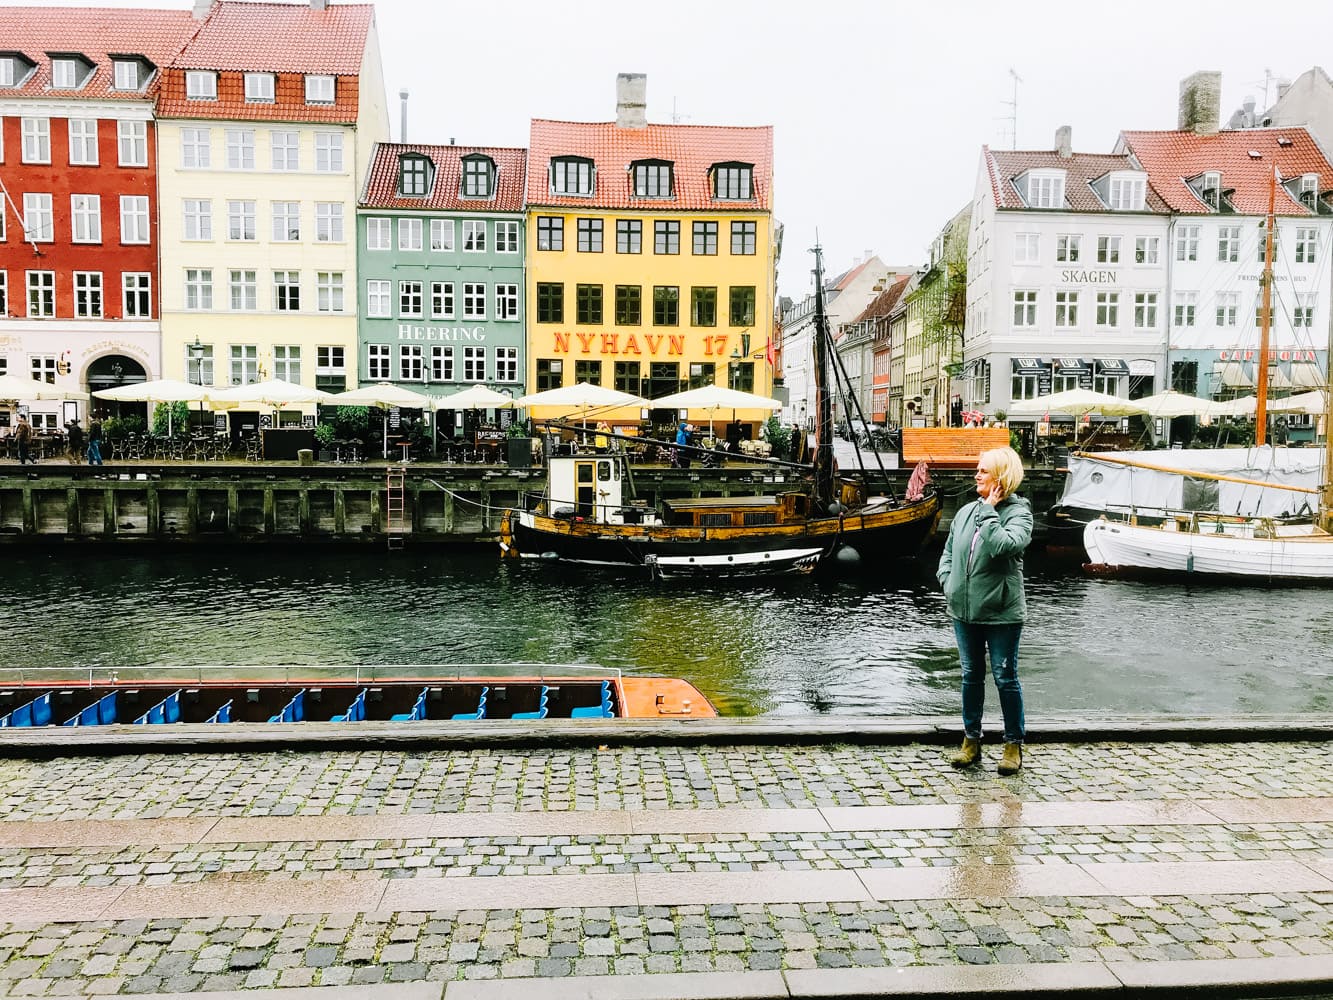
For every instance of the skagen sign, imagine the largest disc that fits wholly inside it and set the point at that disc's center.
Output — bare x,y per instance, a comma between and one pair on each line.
453,334
1074,276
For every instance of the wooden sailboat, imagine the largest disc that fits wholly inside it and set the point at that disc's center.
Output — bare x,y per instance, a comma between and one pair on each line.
1197,544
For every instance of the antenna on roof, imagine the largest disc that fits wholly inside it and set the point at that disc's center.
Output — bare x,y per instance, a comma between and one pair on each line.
677,117
1012,116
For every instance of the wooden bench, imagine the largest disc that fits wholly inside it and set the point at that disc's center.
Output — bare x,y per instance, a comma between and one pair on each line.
950,447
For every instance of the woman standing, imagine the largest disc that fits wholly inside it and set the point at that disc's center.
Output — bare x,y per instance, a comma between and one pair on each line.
981,572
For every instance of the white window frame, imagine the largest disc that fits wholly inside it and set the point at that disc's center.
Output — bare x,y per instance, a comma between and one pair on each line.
88,287
1228,244
286,221
1147,250
136,290
441,363
240,148
287,362
284,283
201,85
243,290
1108,311
36,140
474,363
411,363
1027,248
506,364
474,235
1024,314
64,74
284,150
443,302
411,299
379,233
126,74
379,298
410,234
379,362
330,292
329,222
198,289
197,216
320,89
259,88
1184,308
1108,249
244,366
1126,192
1066,309
242,221
83,142
1068,247
196,148
38,217
85,218
1302,314
41,294
328,152
1307,245
1046,189
132,143
474,300
442,235
1228,309
506,237
506,301
1187,243
1146,310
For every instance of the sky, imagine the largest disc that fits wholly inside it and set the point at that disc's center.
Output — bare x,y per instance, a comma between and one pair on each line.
879,107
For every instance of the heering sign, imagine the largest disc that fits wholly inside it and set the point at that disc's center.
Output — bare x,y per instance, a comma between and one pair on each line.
406,331
1074,276
1239,355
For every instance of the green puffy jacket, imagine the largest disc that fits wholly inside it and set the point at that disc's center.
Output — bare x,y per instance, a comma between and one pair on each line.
984,582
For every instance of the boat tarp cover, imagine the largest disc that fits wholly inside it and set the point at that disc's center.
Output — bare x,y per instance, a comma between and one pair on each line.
1098,485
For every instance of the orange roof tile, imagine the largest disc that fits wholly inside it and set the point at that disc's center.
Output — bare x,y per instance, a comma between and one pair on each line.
1081,169
288,104
883,303
381,190
1172,157
280,37
693,149
94,33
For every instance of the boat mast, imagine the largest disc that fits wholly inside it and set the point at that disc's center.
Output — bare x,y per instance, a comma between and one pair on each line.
823,341
1266,320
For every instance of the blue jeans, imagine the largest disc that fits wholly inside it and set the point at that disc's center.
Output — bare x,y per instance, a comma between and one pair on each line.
94,453
974,639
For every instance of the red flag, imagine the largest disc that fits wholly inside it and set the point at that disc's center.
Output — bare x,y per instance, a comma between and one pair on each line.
769,352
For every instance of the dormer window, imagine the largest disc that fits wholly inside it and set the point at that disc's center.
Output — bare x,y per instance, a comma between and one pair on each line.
201,85
64,74
1309,193
478,176
1210,189
14,69
259,88
319,90
414,175
1126,193
733,181
571,175
1045,189
652,179
128,74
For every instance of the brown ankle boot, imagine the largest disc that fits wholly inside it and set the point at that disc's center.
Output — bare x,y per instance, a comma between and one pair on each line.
968,755
1012,761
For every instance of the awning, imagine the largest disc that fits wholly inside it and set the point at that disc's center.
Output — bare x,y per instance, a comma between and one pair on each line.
1306,375
1071,366
1231,375
1030,366
1112,366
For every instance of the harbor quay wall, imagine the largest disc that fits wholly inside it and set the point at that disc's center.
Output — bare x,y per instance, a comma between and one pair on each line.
446,505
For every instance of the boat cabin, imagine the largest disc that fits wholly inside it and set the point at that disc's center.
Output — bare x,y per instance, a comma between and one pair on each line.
736,512
591,487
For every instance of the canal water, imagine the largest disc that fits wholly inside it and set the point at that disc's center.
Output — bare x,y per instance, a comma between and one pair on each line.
791,648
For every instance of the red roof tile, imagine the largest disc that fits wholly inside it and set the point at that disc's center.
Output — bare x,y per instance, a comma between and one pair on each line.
1173,157
693,149
280,37
288,104
1081,169
381,190
883,303
94,33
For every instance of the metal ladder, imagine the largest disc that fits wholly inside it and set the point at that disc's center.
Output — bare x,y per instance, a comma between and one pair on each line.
395,527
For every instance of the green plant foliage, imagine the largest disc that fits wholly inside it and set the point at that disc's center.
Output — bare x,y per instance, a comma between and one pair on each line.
351,421
324,434
175,416
779,437
518,429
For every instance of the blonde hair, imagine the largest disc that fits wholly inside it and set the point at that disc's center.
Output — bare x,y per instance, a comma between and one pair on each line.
1005,465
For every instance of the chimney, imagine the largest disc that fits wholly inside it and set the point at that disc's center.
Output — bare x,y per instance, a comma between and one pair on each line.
319,4
201,8
1064,141
631,100
402,129
1200,102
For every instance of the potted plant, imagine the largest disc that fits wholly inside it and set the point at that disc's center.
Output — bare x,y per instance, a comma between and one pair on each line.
324,437
519,445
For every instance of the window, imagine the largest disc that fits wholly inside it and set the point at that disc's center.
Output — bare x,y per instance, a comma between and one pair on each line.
259,88
666,237
319,90
627,377
588,371
126,73
132,143
474,236
1023,386
705,239
329,152
550,373
743,237
1185,304
409,234
198,288
64,74
1026,248
1066,309
1263,242
442,300
41,294
629,236
198,219
241,220
571,175
733,181
702,374
243,290
588,305
83,142
506,237
1127,194
409,299
477,173
742,305
87,295
474,300
414,176
1187,243
196,148
7,71
4,298
86,211
474,364
378,233
1307,243
590,235
1228,243
38,220
1108,309
666,305
377,362
550,302
328,222
43,368
137,294
550,232
441,364
377,298
1108,249
652,179
740,375
1302,314
201,85
286,150
329,291
286,221
1025,308
1228,304
36,140
1066,249
411,362
1146,249
287,291
629,305
1046,191
506,364
240,148
134,218
287,362
1145,310
506,301
199,371
703,306
442,235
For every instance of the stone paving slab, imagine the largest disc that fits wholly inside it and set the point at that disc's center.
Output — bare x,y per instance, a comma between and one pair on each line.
1255,973
1069,978
668,986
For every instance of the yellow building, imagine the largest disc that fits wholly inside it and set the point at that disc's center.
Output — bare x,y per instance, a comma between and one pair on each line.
651,258
261,148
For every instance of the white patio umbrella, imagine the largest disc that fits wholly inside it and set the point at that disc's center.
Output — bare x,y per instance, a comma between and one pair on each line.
1313,403
476,397
1077,402
384,395
159,390
1180,404
713,398
273,392
580,398
14,387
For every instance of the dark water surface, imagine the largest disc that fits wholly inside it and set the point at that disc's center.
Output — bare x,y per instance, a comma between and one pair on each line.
791,648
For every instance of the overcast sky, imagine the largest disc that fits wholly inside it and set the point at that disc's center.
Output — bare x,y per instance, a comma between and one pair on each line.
879,107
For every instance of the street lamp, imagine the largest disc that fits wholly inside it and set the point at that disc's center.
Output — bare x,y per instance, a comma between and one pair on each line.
195,352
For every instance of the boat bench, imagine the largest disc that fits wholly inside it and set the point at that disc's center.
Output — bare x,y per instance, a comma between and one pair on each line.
950,447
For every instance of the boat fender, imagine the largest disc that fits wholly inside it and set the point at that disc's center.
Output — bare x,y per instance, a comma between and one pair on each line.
550,556
835,509
847,556
563,513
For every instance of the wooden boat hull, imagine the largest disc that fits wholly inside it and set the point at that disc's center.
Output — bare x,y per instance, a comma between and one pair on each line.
1296,554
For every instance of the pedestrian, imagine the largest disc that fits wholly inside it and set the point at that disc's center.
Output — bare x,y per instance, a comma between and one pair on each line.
682,447
74,441
981,572
95,442
23,437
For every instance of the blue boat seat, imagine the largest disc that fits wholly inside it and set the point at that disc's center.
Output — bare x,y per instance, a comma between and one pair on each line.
542,708
35,713
356,712
168,710
293,711
480,713
418,713
223,714
602,711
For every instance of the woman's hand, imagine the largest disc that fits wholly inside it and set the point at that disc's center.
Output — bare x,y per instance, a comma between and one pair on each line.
995,495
